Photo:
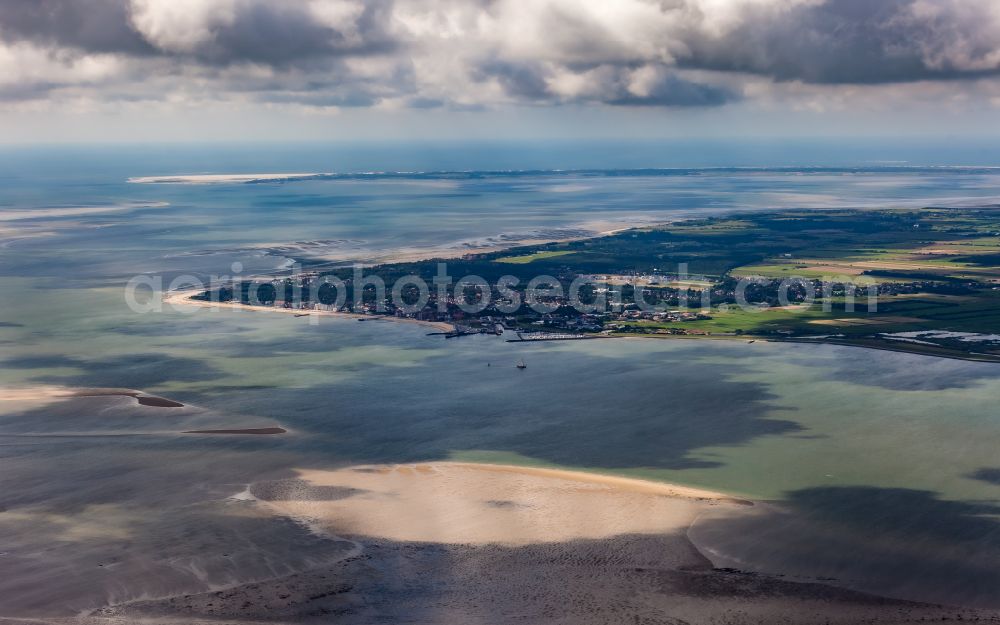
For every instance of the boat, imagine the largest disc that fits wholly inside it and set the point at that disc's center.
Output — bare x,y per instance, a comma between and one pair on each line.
521,365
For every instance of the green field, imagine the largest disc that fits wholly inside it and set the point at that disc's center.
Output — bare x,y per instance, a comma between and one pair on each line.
933,270
530,258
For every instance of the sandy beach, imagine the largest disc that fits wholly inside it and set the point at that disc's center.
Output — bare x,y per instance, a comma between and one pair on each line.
456,543
183,298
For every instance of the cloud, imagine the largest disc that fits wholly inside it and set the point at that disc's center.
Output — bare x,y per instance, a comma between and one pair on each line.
30,72
89,25
855,41
646,85
23,91
259,31
468,54
651,85
181,26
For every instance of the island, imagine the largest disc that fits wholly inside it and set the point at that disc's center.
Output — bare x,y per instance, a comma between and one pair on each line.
915,280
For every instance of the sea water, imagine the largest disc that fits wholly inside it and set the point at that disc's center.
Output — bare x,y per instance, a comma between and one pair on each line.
890,457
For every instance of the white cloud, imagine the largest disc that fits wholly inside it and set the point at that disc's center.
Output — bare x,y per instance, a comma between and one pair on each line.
181,25
27,66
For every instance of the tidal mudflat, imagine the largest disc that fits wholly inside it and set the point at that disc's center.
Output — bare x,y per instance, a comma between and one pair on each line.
448,542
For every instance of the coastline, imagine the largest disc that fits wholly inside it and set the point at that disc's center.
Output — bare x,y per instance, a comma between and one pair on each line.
184,298
634,484
597,229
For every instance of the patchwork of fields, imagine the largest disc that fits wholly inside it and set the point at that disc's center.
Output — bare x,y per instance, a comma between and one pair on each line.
866,275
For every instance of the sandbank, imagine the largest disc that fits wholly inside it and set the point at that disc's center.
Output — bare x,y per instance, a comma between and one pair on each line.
464,503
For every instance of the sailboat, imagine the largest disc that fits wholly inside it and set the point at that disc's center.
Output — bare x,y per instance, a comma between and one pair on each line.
521,365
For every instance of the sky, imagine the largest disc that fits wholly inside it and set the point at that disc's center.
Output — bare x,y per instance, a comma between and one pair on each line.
183,70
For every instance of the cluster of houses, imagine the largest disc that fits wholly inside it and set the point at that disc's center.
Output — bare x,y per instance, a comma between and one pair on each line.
636,314
564,317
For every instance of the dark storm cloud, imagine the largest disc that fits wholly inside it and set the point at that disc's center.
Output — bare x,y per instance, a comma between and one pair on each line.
283,33
529,81
331,85
855,41
276,33
92,25
521,80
